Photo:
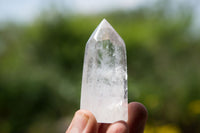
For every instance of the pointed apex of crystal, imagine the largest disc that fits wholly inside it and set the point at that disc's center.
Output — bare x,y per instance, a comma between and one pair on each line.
105,31
104,23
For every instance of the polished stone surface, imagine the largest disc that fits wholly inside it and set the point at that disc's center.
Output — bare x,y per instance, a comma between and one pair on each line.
104,82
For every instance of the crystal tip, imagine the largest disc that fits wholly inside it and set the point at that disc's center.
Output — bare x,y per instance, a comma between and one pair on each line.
104,21
104,24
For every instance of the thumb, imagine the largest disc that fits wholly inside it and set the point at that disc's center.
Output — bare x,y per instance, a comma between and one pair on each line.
83,121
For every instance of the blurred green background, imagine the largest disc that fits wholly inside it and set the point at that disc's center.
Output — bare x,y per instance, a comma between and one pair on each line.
41,65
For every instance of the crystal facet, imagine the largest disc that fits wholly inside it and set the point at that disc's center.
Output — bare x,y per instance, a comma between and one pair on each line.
104,81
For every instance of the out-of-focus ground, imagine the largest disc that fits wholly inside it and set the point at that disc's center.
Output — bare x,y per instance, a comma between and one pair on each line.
41,65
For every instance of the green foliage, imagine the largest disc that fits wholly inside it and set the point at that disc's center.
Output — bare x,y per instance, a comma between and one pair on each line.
41,67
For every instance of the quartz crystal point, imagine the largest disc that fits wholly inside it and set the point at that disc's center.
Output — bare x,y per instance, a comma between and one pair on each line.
104,81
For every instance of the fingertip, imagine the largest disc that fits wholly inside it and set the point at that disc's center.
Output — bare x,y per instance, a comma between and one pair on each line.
83,121
138,108
137,118
87,114
92,125
118,127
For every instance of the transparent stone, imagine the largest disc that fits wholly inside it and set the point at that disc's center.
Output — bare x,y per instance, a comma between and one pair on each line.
104,81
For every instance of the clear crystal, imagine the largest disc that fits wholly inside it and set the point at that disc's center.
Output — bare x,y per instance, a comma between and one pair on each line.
104,81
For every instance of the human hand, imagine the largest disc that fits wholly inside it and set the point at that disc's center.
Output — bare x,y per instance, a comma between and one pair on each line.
85,122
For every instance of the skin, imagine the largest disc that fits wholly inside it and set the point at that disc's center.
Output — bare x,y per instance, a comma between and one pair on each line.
85,122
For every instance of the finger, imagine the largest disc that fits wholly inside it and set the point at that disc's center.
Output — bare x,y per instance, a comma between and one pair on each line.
117,127
83,121
137,117
102,127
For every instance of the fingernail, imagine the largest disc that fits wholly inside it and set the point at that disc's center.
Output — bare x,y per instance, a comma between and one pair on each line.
79,122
